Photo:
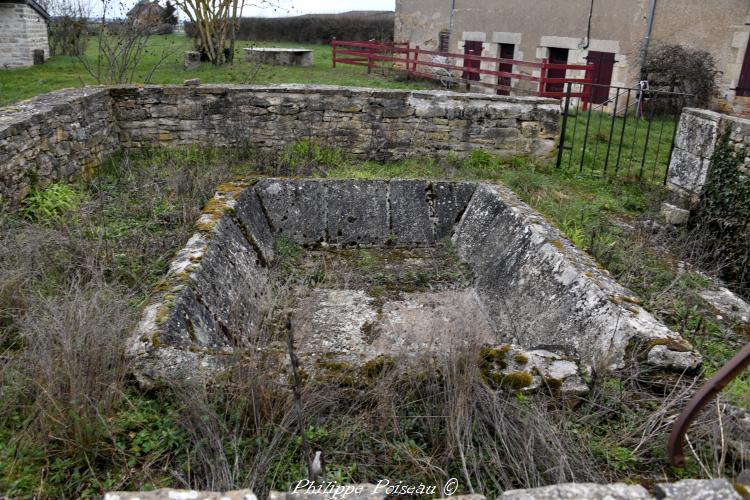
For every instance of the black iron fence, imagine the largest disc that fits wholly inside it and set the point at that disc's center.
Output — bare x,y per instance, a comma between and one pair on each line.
619,131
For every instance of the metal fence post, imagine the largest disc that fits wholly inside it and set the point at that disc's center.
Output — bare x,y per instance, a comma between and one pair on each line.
561,145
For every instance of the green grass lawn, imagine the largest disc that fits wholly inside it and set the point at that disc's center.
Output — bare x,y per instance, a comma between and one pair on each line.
599,146
66,72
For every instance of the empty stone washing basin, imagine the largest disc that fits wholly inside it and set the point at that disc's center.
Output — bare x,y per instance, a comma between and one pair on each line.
278,56
358,270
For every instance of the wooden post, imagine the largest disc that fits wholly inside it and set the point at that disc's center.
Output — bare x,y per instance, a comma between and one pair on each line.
333,45
416,59
543,77
406,60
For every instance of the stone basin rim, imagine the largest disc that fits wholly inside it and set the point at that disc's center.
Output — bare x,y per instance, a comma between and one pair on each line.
536,287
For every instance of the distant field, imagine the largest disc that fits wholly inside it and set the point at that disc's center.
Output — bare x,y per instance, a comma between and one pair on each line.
65,72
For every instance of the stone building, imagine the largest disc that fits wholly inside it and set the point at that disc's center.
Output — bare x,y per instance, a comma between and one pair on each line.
149,17
531,30
23,29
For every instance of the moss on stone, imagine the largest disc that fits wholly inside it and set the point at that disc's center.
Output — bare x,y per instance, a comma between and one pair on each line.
553,383
517,380
377,366
495,354
557,244
163,313
743,490
521,359
678,345
334,366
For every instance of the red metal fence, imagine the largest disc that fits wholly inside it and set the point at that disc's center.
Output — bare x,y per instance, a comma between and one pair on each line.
413,60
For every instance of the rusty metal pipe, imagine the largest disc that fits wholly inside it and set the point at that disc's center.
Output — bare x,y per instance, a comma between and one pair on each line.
706,393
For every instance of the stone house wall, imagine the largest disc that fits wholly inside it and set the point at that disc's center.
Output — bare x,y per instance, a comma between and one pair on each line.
533,27
22,30
60,135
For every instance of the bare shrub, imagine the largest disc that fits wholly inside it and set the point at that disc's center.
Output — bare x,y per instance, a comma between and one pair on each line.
67,26
71,371
428,426
121,50
677,68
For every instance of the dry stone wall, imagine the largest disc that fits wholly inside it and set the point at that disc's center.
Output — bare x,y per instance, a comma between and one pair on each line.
367,123
58,136
55,137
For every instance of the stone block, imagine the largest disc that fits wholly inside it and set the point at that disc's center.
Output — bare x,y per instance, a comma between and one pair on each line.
580,491
697,132
674,215
450,202
295,209
249,213
232,283
357,212
540,290
411,213
688,171
192,60
702,489
172,494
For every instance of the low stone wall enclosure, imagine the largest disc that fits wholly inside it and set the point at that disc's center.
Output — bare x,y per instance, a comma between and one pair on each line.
60,135
531,286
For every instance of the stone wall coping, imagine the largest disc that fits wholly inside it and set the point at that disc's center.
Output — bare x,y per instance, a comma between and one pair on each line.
294,88
26,111
705,114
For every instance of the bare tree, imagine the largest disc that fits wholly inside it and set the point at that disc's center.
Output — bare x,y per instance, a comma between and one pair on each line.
215,24
67,29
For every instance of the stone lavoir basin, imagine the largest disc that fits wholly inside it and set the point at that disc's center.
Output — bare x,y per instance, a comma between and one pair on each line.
367,271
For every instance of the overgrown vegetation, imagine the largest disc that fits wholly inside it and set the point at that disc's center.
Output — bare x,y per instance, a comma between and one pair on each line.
677,68
77,263
724,214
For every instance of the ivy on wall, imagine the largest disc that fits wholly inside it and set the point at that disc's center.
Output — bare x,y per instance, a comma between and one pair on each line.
724,212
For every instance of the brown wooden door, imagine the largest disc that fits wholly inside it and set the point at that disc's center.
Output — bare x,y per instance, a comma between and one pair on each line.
475,49
603,63
743,85
556,56
507,51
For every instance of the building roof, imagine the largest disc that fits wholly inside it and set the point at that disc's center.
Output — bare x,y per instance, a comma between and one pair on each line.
145,7
31,3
